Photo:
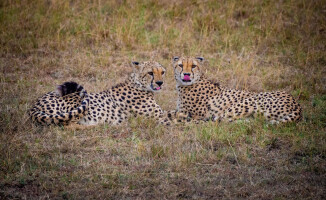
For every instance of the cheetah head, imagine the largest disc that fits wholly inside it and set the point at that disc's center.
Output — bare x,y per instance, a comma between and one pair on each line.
187,69
148,75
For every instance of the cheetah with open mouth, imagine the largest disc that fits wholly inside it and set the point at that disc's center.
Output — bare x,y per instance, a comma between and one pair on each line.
202,99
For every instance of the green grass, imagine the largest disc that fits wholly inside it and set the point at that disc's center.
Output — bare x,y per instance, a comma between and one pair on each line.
254,45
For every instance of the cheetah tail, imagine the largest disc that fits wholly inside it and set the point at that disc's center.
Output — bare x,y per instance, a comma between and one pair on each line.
70,87
62,118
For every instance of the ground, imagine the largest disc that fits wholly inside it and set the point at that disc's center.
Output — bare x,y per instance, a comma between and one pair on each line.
254,45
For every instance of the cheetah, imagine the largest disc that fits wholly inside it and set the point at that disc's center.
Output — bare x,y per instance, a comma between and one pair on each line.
68,103
134,97
203,99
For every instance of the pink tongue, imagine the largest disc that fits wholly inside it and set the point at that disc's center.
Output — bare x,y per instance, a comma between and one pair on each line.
186,78
158,88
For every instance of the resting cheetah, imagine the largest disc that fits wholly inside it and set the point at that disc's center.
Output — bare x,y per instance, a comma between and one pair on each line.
67,104
202,99
133,97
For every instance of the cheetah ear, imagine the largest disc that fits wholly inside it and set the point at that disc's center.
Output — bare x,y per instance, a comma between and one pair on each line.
175,58
135,65
200,59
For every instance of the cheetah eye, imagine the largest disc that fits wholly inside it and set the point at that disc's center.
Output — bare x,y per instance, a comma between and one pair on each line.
150,73
193,66
163,73
180,65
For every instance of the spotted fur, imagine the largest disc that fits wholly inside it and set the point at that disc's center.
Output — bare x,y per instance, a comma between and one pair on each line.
202,99
67,104
134,97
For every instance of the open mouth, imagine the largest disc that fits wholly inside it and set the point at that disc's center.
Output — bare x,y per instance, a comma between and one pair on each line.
155,88
186,78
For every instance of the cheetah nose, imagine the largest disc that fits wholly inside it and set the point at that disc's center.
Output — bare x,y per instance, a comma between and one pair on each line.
186,74
159,83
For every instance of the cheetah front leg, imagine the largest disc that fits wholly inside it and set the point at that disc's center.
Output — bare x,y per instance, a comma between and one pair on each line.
183,117
173,117
163,117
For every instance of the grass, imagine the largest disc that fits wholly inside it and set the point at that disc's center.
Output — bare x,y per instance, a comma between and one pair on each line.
255,45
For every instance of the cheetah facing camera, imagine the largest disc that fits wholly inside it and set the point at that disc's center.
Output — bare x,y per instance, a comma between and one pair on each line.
133,97
67,104
202,99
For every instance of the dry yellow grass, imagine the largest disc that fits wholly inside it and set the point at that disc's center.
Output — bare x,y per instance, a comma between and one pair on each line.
255,45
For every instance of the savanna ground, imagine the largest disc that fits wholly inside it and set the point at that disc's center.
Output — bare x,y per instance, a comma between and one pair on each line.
255,45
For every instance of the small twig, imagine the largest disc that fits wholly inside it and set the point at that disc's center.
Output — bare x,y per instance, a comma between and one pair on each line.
205,164
236,158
